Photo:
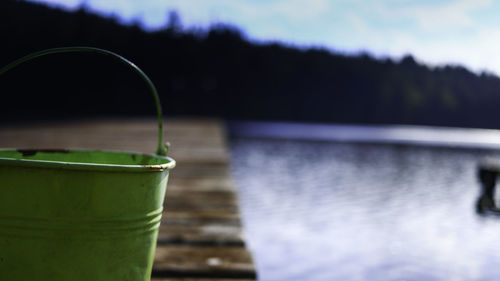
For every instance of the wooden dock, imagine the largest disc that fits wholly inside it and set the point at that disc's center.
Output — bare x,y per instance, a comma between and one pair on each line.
201,236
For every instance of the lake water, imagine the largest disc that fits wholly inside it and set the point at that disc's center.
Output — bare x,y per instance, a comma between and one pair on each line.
324,208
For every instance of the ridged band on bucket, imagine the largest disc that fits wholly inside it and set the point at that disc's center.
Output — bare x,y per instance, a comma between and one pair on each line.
88,228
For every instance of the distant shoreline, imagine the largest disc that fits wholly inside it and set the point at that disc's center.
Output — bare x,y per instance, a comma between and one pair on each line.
390,134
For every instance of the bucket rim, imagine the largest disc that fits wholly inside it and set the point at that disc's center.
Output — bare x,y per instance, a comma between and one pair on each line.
52,164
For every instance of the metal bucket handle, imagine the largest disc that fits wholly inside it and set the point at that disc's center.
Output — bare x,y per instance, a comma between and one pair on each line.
162,149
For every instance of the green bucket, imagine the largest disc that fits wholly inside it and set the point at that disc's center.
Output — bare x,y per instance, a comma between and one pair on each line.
79,214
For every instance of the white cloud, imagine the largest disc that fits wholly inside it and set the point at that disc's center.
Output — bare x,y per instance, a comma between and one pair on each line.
436,34
479,53
299,10
454,14
291,10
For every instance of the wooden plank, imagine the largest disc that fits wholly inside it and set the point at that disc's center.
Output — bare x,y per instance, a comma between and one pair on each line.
198,279
217,222
200,184
200,218
208,262
199,201
214,234
190,170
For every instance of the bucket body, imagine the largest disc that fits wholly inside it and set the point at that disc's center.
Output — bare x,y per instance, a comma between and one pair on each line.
80,215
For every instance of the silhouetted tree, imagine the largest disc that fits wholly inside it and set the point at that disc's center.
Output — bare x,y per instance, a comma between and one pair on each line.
219,72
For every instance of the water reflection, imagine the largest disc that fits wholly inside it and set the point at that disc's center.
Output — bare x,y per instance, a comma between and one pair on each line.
337,211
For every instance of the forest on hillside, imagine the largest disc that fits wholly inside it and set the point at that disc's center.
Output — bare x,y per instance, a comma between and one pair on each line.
218,72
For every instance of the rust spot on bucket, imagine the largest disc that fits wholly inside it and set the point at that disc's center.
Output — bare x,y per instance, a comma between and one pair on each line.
31,152
154,167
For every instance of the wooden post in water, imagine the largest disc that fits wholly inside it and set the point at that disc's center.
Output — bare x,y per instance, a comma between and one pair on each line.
488,172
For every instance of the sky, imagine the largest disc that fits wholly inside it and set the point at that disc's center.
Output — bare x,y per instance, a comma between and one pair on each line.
435,32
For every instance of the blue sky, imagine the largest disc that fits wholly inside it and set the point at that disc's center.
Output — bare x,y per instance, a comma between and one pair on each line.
465,32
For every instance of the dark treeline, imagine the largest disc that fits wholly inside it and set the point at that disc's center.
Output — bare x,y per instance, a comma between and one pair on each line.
218,72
